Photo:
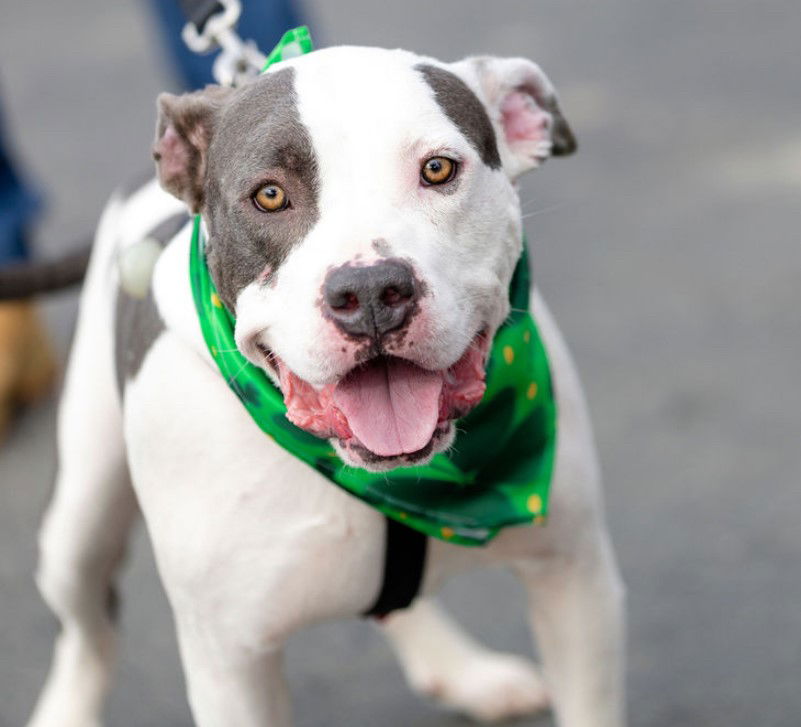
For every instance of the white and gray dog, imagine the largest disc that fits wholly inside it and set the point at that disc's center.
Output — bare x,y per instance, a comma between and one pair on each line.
408,166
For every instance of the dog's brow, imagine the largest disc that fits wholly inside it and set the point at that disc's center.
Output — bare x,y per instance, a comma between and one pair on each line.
465,110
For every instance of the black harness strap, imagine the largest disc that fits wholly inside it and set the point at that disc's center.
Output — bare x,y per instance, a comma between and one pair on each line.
404,561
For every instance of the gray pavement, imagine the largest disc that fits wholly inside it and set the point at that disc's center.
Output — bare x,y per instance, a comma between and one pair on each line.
669,251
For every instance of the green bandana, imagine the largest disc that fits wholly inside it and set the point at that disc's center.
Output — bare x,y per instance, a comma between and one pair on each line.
498,471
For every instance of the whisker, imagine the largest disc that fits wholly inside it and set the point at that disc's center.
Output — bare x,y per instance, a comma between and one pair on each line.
550,208
469,298
241,369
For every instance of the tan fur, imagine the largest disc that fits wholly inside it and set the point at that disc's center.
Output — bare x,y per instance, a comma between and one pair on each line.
27,365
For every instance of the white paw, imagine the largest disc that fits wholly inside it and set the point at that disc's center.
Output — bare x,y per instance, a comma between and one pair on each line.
78,678
489,687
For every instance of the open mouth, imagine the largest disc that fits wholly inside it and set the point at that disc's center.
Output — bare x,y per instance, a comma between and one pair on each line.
388,409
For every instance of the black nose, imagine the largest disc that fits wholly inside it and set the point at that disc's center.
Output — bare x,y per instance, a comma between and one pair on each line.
370,300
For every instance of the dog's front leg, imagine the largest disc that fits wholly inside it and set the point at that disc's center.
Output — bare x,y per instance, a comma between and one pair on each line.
231,682
444,663
577,614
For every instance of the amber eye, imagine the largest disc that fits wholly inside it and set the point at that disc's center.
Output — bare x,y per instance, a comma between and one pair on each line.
438,170
270,198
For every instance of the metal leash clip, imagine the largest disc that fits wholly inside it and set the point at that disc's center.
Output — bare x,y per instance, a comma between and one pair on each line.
212,25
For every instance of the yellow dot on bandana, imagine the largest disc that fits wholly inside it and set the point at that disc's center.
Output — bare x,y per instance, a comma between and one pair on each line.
508,354
447,533
213,350
527,336
532,390
402,515
534,504
215,300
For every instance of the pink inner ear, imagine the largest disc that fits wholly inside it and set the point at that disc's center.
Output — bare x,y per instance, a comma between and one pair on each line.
523,120
173,156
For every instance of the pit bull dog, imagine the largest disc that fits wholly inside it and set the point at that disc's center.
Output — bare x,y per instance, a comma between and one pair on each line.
363,225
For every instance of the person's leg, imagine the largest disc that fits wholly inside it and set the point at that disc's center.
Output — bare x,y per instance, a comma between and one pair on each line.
263,21
27,366
26,363
19,205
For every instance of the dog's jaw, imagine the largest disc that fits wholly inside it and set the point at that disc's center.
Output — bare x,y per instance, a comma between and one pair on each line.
324,412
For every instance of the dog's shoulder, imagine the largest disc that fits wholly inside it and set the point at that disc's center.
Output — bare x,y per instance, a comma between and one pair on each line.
151,231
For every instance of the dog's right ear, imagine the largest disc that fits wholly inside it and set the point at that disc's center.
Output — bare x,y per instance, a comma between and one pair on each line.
183,133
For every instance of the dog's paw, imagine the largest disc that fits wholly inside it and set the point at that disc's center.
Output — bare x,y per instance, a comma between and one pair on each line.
489,687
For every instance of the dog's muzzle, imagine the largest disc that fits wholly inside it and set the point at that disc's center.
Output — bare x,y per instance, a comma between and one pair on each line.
370,301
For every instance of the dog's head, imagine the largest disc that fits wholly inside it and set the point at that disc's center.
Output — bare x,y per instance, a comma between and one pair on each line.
363,227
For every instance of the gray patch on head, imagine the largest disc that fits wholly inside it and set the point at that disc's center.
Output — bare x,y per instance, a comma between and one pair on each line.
259,138
465,110
138,323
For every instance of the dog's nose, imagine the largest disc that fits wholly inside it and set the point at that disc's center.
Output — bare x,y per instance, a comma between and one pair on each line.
370,300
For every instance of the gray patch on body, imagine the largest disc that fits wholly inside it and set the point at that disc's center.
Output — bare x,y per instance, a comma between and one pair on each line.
138,323
259,138
169,228
465,110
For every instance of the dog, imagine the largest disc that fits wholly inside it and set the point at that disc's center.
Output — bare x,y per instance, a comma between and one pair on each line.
395,173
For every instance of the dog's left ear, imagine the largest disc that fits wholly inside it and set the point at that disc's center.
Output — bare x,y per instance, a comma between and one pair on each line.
524,109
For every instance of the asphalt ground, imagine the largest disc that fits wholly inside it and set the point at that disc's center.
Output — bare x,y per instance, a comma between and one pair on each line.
669,251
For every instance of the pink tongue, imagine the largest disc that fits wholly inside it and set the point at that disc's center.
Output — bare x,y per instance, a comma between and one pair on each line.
392,406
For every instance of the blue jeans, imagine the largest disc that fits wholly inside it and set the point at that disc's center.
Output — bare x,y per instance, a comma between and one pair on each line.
19,205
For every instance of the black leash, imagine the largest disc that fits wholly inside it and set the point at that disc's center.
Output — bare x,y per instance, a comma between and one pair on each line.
24,279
